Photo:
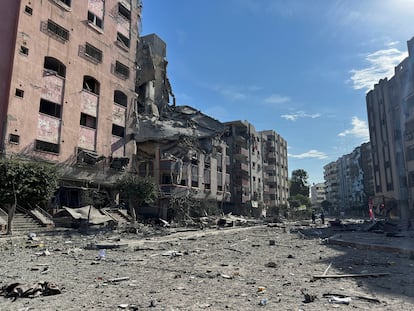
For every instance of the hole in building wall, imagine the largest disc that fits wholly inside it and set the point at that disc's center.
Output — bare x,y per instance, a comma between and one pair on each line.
19,93
28,10
24,50
14,139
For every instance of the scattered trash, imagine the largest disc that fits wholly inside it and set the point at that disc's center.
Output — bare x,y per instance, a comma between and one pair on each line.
20,290
102,254
271,264
172,253
225,276
33,237
128,307
340,300
123,306
337,276
272,242
164,222
308,298
43,253
261,289
115,280
263,302
369,299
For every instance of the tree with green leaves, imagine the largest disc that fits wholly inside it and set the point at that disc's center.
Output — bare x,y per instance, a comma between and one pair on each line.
138,190
299,189
299,183
23,182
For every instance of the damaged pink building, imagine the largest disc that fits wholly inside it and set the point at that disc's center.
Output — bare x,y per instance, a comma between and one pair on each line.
68,83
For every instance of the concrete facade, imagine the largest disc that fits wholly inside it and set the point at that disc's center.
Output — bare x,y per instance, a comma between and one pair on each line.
390,107
259,168
68,82
317,194
331,182
349,180
275,172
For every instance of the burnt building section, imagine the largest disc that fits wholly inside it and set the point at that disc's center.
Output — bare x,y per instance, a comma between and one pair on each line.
68,70
178,146
275,169
259,169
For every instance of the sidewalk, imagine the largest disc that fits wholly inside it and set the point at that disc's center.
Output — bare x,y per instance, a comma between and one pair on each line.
374,241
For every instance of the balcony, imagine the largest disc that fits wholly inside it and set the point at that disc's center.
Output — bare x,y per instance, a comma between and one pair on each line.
243,152
241,166
271,180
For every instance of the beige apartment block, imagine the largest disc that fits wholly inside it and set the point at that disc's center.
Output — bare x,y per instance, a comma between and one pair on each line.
68,83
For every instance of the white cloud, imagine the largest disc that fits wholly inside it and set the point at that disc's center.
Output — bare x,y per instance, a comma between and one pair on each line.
300,114
277,99
393,43
359,129
236,93
311,154
233,95
382,63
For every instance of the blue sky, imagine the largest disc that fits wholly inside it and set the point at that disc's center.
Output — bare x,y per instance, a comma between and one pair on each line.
299,67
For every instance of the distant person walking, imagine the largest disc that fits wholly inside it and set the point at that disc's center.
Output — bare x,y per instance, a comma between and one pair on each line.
322,218
313,217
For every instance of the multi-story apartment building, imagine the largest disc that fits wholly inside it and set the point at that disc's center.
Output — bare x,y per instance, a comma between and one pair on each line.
349,179
68,81
390,107
332,183
258,166
317,194
275,169
244,147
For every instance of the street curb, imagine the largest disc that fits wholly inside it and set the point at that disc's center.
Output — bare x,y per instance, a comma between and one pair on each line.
338,240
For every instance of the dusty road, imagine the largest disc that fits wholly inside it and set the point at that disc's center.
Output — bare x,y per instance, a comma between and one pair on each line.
227,269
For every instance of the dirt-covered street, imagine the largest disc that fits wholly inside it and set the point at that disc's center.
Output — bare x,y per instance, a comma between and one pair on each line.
241,268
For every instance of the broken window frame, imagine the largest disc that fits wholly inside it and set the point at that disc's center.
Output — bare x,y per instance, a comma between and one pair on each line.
56,30
120,98
44,146
124,12
64,4
122,40
93,53
121,69
118,130
50,108
95,20
88,121
90,84
52,64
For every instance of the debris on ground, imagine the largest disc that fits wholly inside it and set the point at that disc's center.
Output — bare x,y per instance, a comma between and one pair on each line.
23,290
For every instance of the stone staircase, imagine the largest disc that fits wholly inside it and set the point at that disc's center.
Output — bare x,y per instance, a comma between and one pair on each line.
120,216
24,224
